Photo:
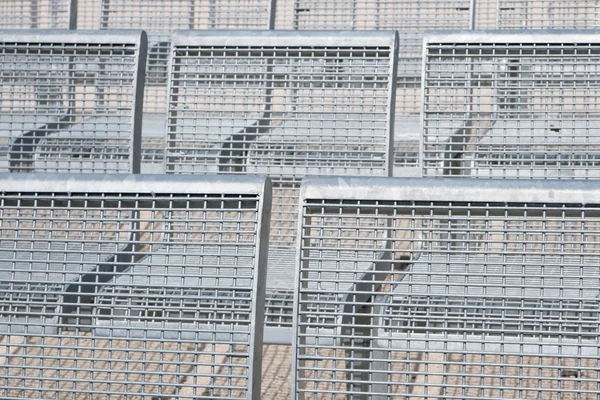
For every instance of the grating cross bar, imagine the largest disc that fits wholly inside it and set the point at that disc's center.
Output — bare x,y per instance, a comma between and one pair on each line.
447,288
286,104
411,18
525,104
160,18
548,14
70,101
38,14
132,286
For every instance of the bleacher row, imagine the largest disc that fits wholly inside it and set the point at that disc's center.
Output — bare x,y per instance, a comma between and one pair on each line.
266,212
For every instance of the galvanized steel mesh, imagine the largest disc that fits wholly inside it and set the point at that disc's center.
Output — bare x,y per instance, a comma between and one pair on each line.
512,105
447,289
486,14
284,14
35,14
286,105
548,14
128,287
68,101
422,15
411,18
160,18
404,15
283,104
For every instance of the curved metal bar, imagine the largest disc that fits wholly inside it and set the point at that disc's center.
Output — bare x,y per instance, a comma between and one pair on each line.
22,150
234,152
360,308
456,145
85,290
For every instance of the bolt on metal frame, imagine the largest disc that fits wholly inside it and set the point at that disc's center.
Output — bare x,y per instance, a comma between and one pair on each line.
447,288
38,14
160,18
526,104
286,104
70,101
132,285
411,18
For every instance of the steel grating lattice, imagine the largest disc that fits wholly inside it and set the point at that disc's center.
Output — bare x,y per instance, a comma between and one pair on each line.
526,105
38,14
447,289
404,15
69,100
548,14
159,19
132,286
286,104
411,18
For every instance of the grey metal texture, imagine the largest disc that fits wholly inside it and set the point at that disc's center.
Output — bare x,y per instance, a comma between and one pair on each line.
526,104
447,288
159,18
132,286
404,15
286,104
70,101
38,14
547,14
411,18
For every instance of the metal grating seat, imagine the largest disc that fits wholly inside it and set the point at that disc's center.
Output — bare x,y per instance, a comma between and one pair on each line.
69,100
159,19
157,282
286,104
527,105
38,14
547,14
447,288
404,15
411,18
132,286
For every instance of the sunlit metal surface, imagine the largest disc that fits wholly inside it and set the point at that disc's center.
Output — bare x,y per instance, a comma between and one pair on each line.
286,104
411,18
548,14
526,105
38,14
404,15
160,18
447,288
127,286
69,100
